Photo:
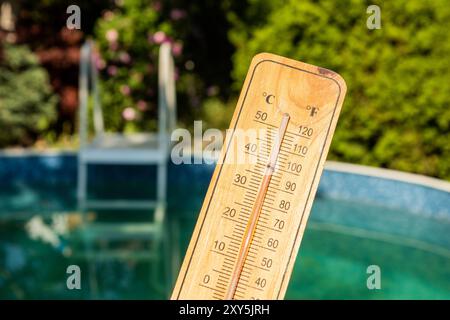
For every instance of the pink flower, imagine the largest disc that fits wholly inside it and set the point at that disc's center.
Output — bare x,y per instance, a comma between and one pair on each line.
99,63
125,90
129,114
124,57
149,38
142,105
113,46
108,15
177,14
159,37
112,35
177,48
112,70
157,6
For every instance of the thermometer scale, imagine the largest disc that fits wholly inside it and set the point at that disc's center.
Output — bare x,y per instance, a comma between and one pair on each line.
254,214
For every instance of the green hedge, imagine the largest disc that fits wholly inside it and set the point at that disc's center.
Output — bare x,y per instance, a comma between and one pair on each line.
397,110
396,113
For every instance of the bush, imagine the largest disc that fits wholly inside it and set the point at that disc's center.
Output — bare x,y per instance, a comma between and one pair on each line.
27,104
397,110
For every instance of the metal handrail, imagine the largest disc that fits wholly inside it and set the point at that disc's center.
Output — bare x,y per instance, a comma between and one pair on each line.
166,90
166,93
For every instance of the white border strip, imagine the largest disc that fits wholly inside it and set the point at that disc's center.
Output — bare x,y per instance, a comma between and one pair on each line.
388,174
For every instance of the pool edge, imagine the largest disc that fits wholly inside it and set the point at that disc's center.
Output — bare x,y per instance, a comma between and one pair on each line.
388,174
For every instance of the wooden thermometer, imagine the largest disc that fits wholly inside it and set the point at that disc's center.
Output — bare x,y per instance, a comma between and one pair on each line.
255,211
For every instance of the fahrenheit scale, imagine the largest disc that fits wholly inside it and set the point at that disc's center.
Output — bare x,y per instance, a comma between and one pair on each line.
254,214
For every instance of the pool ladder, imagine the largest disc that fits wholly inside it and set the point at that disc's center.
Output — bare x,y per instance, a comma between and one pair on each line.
113,148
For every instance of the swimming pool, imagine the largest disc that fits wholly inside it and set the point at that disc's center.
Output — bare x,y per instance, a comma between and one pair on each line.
360,217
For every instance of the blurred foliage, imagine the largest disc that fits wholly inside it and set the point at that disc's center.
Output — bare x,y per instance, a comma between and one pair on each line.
27,104
396,113
397,110
129,37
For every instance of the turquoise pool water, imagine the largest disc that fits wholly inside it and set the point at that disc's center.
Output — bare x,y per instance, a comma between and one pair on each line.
344,236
